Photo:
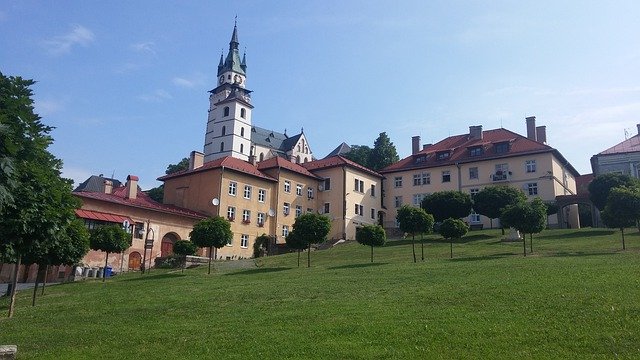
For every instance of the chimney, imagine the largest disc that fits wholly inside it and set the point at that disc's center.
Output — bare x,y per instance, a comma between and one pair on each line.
541,134
131,187
108,186
531,128
415,145
196,159
425,146
252,160
638,126
475,132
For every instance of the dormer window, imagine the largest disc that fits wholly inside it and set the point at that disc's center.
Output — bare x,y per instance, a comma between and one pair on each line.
475,151
443,155
502,147
421,159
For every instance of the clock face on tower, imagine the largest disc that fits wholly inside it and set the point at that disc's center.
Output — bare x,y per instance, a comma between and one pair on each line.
221,80
237,79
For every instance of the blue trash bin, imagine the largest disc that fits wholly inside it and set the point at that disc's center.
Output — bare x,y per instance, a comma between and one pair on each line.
108,271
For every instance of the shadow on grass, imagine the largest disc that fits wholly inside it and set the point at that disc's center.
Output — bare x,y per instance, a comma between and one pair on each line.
258,271
578,234
580,254
155,277
485,257
356,266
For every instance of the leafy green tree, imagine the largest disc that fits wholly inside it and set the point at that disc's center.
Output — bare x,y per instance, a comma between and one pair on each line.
157,193
110,239
383,153
491,200
214,232
600,187
453,229
184,248
413,221
34,212
261,245
295,242
528,218
622,209
447,204
312,229
371,235
359,154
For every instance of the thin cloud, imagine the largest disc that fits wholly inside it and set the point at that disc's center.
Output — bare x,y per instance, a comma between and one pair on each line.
157,96
144,47
47,107
63,44
189,82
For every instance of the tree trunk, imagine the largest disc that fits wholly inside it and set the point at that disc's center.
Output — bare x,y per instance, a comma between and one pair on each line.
413,247
44,281
210,253
298,257
104,271
422,248
35,288
531,242
524,244
502,228
371,253
451,243
309,256
491,223
14,285
623,247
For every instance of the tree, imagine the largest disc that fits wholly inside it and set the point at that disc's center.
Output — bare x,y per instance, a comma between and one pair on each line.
34,212
371,235
312,229
413,221
528,218
110,239
600,187
491,200
622,209
295,242
261,245
383,153
447,204
210,233
184,248
453,229
359,154
157,193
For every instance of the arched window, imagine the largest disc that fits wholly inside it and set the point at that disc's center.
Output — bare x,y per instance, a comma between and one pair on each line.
298,159
298,148
305,159
224,130
226,111
241,131
241,148
243,113
261,156
222,146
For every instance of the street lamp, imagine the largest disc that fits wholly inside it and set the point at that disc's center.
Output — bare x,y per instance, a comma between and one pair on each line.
148,244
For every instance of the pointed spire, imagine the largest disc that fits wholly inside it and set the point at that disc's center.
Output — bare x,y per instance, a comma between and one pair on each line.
221,61
233,44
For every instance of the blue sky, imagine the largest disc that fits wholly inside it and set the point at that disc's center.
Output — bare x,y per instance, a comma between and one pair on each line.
125,82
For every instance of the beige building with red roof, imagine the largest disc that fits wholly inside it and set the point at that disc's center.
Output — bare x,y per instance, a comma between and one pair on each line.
470,162
622,158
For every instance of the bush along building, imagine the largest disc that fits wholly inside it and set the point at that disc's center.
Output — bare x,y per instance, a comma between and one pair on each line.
480,158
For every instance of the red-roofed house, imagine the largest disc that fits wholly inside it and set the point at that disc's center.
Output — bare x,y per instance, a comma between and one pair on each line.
622,158
472,161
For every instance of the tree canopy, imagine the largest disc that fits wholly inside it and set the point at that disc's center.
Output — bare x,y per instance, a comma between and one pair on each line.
359,154
528,218
371,235
383,154
311,229
413,220
453,229
295,242
447,204
600,187
157,193
622,209
213,232
491,200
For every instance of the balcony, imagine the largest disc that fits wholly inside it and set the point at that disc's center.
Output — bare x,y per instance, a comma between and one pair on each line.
501,176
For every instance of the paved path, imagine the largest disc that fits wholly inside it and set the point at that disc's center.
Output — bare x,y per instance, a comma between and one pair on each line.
21,286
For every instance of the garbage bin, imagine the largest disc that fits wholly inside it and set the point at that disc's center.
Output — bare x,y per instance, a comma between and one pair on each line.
100,272
108,271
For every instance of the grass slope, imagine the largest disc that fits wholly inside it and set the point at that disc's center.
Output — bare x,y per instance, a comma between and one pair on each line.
576,297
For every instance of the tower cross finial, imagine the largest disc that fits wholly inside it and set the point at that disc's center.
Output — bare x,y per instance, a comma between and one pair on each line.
235,21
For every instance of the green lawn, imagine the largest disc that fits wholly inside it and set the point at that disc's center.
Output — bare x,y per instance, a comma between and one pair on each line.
577,296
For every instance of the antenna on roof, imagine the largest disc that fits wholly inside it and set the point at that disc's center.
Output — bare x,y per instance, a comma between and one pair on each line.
113,174
501,127
626,134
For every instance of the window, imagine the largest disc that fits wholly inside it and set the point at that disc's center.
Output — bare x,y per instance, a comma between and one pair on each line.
298,210
530,166
226,111
373,190
243,113
398,201
310,193
138,233
475,151
443,155
417,199
261,156
285,230
224,130
232,188
326,209
287,186
286,208
242,132
426,178
417,180
309,210
397,181
421,179
327,184
244,241
246,216
474,218
222,146
502,147
298,189
230,243
260,219
473,192
359,186
247,192
231,213
446,176
241,148
532,189
473,173
359,209
373,213
262,194
421,159
502,172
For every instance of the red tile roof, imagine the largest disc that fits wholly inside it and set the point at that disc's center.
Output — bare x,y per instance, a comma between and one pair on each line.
142,200
458,148
630,145
335,161
281,162
226,162
97,215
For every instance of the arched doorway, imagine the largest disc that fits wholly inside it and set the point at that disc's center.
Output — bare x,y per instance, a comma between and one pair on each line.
134,261
166,248
572,207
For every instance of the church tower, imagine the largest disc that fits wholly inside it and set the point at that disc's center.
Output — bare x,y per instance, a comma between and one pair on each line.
229,121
